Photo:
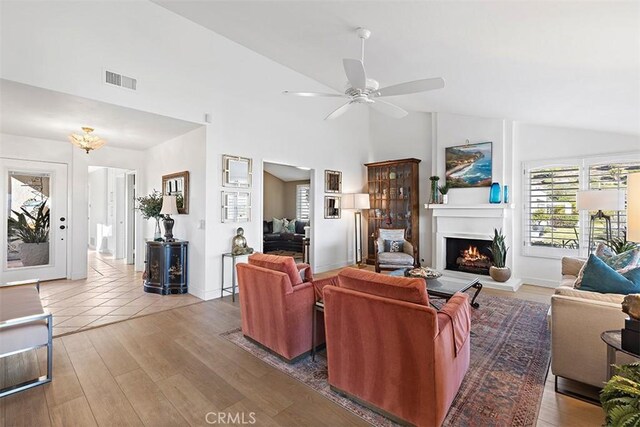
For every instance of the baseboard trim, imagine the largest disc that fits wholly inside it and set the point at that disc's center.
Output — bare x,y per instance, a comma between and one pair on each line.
544,283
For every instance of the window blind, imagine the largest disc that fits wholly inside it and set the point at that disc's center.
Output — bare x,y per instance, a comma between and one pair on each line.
551,218
302,202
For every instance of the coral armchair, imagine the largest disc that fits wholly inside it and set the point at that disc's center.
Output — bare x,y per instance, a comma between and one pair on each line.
276,304
387,349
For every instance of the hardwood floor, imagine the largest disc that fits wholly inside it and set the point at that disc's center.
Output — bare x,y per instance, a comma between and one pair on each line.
173,368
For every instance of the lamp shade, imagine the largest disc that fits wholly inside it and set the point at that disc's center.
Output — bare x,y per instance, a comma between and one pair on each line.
633,207
169,205
355,201
361,201
600,200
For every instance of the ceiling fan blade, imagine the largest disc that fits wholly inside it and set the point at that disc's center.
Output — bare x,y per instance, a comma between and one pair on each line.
354,69
314,94
338,111
412,87
389,109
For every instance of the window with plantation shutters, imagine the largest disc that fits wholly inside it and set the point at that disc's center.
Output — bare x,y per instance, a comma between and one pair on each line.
552,227
302,202
551,219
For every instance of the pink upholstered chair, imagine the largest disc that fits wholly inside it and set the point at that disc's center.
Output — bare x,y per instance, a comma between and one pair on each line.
388,349
276,304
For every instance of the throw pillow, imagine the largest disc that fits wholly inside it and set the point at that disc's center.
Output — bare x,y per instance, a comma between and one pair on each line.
625,259
300,226
278,225
393,245
621,263
603,251
599,277
291,226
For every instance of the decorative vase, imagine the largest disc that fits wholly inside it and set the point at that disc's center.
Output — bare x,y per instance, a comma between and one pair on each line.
445,199
500,274
494,193
434,192
157,236
505,194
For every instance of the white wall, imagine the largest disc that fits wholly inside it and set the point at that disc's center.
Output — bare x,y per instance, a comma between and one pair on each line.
184,153
536,142
185,71
411,136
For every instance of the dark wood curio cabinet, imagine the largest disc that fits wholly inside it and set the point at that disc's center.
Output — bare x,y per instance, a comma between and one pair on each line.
393,197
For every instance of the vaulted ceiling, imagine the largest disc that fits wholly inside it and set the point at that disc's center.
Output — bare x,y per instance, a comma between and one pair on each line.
573,64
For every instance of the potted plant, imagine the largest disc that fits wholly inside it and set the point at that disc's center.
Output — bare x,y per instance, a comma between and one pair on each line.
32,229
434,188
150,207
444,189
620,396
498,270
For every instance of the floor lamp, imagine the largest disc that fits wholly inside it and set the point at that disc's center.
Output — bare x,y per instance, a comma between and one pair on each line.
600,200
633,207
358,202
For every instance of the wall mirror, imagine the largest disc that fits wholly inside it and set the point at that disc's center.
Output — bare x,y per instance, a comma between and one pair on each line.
331,207
177,184
236,171
236,206
332,181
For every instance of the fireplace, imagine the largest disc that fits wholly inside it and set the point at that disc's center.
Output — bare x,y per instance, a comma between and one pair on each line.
468,255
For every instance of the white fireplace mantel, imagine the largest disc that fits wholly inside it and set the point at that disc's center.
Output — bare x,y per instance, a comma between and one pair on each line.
473,221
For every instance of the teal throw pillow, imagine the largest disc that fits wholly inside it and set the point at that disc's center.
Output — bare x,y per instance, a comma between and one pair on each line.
599,277
291,226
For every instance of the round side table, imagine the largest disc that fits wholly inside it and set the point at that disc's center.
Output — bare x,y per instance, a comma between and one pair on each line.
613,339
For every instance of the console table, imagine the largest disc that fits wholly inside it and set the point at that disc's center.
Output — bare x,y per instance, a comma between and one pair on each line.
166,267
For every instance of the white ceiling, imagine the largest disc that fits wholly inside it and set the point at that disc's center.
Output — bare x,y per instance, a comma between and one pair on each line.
287,173
41,113
574,64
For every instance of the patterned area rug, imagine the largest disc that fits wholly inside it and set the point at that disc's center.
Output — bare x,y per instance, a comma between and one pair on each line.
510,351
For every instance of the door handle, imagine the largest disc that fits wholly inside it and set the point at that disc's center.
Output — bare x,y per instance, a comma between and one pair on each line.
62,227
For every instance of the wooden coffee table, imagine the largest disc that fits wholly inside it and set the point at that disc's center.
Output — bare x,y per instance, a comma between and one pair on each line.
446,287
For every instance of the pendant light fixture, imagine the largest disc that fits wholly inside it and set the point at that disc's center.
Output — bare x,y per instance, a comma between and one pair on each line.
86,141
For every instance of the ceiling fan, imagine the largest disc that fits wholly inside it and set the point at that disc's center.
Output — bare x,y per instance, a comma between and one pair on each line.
361,90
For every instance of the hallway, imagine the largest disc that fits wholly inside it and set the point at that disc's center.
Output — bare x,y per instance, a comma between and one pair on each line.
112,292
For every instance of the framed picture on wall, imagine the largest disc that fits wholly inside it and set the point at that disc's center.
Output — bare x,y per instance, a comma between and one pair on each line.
469,165
332,181
236,206
332,207
177,184
236,171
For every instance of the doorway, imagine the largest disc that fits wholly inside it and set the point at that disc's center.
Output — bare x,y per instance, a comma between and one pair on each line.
111,217
287,211
34,236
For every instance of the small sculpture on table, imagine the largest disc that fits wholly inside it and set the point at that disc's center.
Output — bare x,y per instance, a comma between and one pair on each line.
631,332
240,244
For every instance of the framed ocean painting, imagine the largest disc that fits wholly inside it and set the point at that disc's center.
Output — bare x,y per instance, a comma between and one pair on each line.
468,165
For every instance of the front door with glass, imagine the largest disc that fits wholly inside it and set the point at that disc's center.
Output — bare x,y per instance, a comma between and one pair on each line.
34,226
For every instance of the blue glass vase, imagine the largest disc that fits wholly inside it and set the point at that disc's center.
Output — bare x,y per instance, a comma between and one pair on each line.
505,194
495,193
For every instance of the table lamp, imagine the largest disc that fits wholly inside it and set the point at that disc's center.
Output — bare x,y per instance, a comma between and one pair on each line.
358,202
600,200
169,207
633,207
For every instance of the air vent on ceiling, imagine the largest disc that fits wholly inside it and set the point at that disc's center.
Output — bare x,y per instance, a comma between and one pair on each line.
120,80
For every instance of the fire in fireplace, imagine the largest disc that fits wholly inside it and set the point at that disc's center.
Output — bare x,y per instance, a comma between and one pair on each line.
468,255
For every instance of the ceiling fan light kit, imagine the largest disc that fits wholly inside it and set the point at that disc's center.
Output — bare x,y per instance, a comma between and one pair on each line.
362,90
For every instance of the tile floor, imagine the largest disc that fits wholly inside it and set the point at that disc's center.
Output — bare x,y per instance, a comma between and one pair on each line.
112,292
